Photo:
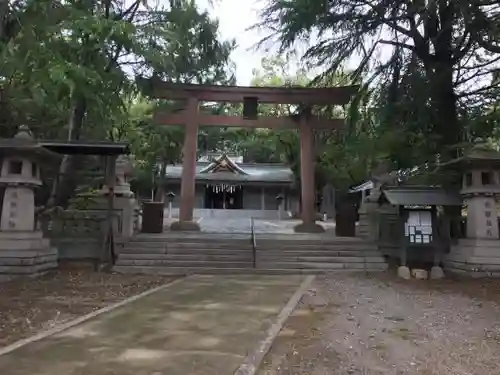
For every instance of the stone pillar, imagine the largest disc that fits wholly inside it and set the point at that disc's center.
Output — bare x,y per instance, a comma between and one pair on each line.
308,224
188,182
482,217
18,209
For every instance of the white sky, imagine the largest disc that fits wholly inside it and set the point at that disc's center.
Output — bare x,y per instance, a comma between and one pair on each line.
235,16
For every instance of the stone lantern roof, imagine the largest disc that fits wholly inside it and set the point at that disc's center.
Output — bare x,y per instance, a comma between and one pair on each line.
23,145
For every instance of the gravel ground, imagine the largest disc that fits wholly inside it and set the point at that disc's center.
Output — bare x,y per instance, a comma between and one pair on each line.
31,305
384,325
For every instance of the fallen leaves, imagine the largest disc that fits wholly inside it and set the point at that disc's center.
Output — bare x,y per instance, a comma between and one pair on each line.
31,305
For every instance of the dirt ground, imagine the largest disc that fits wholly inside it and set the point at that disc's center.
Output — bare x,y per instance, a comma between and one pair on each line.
31,305
384,325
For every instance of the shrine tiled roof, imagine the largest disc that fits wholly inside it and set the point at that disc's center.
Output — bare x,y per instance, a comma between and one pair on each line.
225,169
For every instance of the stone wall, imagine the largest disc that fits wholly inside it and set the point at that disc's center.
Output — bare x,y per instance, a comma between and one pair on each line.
79,234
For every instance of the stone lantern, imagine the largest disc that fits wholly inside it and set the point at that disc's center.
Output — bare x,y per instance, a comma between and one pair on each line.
479,252
170,197
124,200
123,170
23,250
279,200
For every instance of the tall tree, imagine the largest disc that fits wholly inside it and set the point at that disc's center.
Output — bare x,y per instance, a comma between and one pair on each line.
76,66
452,42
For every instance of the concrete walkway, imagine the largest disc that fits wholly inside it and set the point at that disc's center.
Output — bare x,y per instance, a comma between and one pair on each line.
244,225
202,325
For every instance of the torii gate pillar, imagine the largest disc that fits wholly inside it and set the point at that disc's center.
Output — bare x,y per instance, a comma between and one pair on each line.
188,183
307,161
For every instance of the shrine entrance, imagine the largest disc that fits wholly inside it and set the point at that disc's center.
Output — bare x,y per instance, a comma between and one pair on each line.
191,116
224,197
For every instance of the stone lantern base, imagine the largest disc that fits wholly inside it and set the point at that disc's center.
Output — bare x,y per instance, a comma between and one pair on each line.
25,253
475,258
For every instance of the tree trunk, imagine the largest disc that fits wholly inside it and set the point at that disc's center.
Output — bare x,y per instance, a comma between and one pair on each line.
444,101
445,117
65,184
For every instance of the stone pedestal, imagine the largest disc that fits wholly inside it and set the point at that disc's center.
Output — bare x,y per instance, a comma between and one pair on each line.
475,257
18,209
25,253
128,208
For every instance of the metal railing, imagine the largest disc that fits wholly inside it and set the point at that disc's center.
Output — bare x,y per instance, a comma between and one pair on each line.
254,243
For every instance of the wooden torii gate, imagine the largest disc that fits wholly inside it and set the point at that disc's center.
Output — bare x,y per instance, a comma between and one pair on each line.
191,118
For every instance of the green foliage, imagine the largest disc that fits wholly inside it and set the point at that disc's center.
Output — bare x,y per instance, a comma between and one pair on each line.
84,199
68,70
424,62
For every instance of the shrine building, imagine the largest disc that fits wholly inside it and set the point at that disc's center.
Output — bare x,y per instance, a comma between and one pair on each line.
225,182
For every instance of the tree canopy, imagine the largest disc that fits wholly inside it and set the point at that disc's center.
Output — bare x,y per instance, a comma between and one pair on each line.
430,66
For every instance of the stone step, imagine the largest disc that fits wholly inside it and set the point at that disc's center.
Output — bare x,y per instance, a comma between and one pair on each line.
202,257
239,256
249,264
184,263
473,274
333,259
313,265
149,250
281,246
191,238
472,267
290,240
344,241
315,253
260,252
282,254
228,271
27,269
491,260
28,261
281,249
188,245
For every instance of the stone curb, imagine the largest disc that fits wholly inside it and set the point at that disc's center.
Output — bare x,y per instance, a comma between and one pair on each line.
252,362
82,319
